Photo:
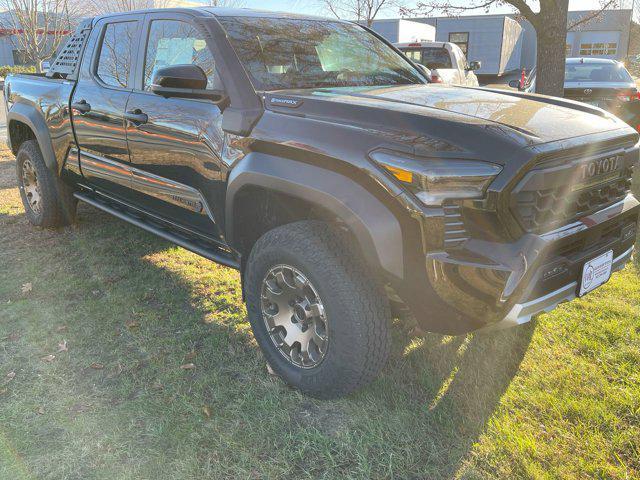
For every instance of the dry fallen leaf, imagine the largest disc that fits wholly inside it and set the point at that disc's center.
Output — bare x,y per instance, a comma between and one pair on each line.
270,370
207,411
14,336
187,366
190,356
62,346
48,358
40,410
61,328
97,366
131,324
27,287
11,375
3,391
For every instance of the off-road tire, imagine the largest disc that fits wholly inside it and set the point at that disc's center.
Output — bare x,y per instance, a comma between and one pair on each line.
58,205
357,310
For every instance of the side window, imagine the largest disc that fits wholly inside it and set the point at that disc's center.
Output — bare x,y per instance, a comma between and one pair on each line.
172,42
114,63
414,55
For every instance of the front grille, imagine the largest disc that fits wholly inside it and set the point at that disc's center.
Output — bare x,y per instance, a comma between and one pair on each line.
553,206
561,190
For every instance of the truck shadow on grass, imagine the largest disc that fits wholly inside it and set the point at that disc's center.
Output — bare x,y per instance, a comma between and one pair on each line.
161,357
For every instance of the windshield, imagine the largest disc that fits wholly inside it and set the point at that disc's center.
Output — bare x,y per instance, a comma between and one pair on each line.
596,72
285,53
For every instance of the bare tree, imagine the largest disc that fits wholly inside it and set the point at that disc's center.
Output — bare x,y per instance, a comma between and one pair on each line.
36,27
362,11
548,17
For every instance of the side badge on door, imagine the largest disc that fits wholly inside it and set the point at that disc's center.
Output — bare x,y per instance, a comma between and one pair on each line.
285,102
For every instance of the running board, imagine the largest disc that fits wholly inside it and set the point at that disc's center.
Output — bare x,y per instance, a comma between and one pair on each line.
204,249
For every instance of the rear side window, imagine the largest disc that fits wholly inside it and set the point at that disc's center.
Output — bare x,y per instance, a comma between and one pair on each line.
414,55
436,58
173,42
114,63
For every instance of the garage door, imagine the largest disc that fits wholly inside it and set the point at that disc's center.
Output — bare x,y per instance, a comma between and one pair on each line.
599,44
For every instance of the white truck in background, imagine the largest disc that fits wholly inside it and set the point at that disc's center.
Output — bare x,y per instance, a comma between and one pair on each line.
445,61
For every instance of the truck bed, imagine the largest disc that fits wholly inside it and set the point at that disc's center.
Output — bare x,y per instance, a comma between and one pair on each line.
33,94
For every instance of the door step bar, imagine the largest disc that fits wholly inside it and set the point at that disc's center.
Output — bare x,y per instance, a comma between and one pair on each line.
207,250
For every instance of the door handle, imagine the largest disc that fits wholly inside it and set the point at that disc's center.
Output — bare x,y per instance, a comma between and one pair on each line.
136,117
81,106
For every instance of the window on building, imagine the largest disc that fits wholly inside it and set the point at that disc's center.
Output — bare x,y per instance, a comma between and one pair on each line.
20,57
585,49
172,42
461,39
567,49
114,63
594,49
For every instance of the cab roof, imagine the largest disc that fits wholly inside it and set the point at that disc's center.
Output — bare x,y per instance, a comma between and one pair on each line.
223,12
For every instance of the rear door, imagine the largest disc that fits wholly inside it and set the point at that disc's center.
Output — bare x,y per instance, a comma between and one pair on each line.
175,152
99,101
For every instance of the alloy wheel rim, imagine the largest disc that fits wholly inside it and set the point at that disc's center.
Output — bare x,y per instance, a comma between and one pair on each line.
31,186
294,316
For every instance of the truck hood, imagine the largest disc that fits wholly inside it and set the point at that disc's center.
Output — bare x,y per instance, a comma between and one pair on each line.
541,119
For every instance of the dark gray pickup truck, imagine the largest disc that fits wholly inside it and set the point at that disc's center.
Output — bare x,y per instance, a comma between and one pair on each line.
314,157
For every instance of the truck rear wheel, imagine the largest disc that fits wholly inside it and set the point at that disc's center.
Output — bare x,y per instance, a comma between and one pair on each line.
316,310
47,201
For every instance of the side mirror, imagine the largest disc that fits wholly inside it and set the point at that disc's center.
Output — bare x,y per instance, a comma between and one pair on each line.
475,65
184,81
515,84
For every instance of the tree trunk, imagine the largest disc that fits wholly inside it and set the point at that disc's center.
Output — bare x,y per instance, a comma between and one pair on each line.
551,30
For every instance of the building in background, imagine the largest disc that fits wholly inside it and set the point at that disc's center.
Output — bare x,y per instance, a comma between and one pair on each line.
10,53
505,43
405,31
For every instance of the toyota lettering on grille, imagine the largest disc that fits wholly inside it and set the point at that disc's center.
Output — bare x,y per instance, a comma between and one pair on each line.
602,167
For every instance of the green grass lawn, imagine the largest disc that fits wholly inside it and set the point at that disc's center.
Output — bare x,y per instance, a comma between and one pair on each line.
124,314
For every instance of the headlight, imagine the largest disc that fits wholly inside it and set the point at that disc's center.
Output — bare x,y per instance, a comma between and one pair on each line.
434,181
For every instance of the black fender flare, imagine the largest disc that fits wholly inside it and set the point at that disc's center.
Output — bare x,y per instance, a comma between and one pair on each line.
375,227
28,115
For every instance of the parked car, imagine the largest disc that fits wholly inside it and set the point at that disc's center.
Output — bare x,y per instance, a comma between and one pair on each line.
600,82
342,187
445,61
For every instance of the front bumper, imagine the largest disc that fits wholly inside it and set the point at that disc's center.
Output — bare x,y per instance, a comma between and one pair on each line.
496,285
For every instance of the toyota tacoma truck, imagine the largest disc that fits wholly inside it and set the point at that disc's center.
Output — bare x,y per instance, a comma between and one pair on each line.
316,159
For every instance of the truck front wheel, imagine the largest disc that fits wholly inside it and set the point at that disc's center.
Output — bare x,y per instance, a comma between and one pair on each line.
48,202
315,309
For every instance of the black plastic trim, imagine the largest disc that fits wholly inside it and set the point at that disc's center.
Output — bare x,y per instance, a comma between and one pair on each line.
376,228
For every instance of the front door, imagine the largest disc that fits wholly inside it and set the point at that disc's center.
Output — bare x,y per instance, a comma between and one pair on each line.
99,102
175,143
